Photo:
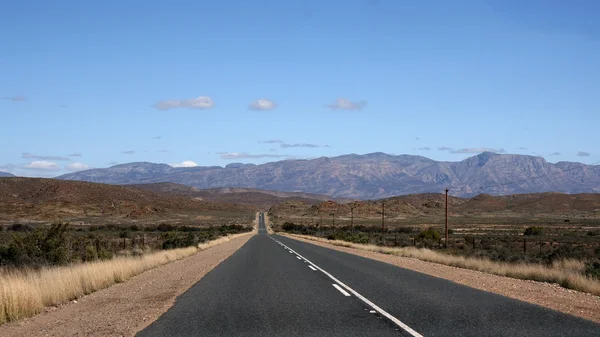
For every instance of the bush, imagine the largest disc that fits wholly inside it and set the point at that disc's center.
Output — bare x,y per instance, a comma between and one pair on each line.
429,235
19,228
53,245
42,246
530,231
592,269
165,228
173,240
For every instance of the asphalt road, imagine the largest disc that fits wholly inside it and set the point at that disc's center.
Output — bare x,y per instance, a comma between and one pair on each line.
276,286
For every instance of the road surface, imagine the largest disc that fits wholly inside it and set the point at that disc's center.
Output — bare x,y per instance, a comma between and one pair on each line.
276,286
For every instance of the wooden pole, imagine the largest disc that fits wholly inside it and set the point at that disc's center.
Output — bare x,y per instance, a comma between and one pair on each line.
446,243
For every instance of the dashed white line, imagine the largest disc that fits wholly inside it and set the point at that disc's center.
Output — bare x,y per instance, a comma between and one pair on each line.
359,296
311,267
341,290
298,257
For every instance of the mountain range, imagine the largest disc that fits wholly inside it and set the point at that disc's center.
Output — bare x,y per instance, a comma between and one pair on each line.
370,176
263,199
5,174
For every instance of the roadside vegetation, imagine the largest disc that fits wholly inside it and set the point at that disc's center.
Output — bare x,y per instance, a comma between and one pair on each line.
535,253
51,265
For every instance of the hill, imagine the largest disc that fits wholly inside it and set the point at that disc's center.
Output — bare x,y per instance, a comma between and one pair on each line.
51,199
262,199
5,174
433,205
371,176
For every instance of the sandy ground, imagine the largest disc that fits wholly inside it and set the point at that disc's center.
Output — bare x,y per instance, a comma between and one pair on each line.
126,308
547,295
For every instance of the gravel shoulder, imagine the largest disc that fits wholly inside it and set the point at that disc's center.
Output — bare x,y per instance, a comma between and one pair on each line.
126,308
548,295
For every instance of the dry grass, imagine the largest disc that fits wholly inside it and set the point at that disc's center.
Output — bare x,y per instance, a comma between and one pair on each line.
268,225
567,273
26,293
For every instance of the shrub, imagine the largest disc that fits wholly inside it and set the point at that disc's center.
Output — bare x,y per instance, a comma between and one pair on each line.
19,228
165,228
429,234
530,231
53,245
592,269
173,240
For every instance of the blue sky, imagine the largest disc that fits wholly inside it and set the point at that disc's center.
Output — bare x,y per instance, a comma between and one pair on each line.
90,84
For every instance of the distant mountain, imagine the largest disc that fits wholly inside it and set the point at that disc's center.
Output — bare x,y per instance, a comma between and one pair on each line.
6,174
263,199
371,176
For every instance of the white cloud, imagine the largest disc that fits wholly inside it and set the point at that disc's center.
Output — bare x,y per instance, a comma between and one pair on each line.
200,102
16,98
8,168
42,165
344,104
445,148
555,154
262,104
285,145
424,148
128,152
77,167
245,155
27,155
311,146
187,163
478,150
583,154
75,155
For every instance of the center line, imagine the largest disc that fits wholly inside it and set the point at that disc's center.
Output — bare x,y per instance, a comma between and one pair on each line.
374,306
341,290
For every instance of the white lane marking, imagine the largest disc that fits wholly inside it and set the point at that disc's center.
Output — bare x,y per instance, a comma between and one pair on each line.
311,267
291,252
298,257
372,311
341,290
359,296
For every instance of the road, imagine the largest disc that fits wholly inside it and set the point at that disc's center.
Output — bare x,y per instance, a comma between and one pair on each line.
276,286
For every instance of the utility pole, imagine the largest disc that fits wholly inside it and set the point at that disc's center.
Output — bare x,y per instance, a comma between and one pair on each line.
333,222
382,219
352,218
446,218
